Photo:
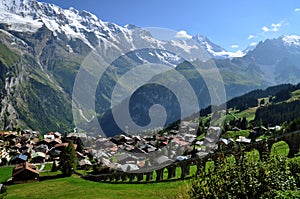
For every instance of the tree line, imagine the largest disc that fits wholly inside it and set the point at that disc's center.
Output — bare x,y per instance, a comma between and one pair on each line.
276,114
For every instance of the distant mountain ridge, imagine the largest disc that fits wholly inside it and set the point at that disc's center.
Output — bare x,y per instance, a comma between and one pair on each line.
42,47
30,15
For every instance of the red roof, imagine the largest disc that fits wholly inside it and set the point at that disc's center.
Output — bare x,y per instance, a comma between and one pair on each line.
64,145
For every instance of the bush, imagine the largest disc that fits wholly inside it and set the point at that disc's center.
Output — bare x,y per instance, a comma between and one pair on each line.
242,176
101,169
295,171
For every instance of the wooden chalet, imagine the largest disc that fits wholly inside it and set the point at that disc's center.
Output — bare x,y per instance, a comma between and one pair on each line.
25,172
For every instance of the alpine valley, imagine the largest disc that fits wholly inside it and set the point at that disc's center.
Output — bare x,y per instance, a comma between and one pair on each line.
43,46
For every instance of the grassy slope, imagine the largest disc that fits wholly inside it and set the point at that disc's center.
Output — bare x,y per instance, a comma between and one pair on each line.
249,113
236,134
295,96
5,173
75,187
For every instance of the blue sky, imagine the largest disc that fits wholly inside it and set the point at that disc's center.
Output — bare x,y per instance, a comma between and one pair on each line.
232,24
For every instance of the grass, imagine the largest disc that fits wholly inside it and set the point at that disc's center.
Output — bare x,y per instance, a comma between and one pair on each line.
47,167
266,100
200,137
75,187
5,173
296,93
295,96
249,113
50,174
7,56
236,134
263,137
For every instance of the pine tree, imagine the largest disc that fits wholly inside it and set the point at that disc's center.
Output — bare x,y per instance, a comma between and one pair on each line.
200,128
262,102
68,159
244,123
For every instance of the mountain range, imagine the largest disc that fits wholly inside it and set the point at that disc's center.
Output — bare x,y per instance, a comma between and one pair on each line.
43,48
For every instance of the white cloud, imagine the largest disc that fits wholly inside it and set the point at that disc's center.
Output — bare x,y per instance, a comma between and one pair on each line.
234,46
251,37
297,10
265,29
253,44
182,34
273,28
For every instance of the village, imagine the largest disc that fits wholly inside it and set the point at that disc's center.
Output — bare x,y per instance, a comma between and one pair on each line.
122,153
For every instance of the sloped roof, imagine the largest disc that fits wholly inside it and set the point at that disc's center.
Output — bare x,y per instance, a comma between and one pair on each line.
64,145
84,162
243,139
56,140
42,146
163,160
51,137
20,156
125,157
54,152
129,167
25,166
225,141
38,154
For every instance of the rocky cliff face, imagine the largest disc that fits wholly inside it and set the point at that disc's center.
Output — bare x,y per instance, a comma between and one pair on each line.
42,48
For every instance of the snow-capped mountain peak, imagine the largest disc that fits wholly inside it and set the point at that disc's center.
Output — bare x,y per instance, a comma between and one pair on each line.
207,44
214,50
17,6
291,40
30,15
130,26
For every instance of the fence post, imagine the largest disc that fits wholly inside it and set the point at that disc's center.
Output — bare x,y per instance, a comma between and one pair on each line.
124,177
184,169
140,176
171,171
149,176
131,177
117,177
159,174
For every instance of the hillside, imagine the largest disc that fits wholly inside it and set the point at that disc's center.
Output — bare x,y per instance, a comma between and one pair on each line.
51,81
273,106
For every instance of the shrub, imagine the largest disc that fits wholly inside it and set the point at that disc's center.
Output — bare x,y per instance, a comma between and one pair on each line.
242,176
295,171
101,169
